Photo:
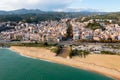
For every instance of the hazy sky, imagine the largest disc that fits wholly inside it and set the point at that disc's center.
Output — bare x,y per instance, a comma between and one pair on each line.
50,5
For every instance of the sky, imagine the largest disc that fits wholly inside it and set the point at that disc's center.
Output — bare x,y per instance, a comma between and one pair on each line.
61,5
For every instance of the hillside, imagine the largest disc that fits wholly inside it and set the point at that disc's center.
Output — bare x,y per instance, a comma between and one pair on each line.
35,15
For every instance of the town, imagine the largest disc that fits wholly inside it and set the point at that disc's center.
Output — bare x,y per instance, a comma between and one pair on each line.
55,31
69,30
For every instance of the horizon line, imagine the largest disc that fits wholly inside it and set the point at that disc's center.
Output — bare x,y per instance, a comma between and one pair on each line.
57,11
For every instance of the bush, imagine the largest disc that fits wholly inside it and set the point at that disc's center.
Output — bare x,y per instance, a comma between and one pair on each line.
94,26
57,49
36,44
46,44
108,52
81,53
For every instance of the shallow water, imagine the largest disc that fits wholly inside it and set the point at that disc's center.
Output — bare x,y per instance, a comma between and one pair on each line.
16,67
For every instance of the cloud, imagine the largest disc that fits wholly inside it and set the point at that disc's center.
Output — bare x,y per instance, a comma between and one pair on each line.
35,4
70,9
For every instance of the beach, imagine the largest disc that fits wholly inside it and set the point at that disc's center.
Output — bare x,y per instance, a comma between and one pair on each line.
104,64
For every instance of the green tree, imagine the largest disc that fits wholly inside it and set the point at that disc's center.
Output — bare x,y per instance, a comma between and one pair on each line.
69,34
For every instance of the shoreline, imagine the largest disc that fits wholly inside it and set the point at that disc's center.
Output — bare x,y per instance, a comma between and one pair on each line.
49,56
30,56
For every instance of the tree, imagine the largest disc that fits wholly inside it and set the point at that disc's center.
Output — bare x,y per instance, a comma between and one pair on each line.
81,53
94,26
46,44
69,34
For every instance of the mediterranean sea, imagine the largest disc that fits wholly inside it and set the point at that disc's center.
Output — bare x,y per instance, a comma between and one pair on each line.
16,67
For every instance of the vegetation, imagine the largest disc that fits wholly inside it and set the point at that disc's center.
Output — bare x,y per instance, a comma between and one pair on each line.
57,49
113,46
85,19
33,17
68,51
62,51
4,45
81,53
100,41
94,26
45,44
30,18
69,34
115,17
41,16
5,28
108,52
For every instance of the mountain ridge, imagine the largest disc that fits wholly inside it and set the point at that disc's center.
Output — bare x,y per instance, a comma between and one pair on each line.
21,11
38,11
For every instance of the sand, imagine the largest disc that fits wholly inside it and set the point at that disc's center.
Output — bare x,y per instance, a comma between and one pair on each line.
108,65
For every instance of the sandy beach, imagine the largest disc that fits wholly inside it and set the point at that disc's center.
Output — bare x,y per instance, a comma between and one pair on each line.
108,65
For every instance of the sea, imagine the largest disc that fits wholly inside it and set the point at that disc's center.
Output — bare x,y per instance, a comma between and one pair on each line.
16,67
